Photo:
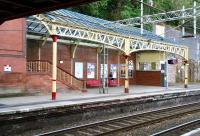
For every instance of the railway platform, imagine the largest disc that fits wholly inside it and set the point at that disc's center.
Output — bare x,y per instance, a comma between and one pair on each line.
40,114
12,105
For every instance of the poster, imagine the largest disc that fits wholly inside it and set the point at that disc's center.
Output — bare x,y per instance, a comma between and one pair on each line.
90,70
105,70
79,69
113,70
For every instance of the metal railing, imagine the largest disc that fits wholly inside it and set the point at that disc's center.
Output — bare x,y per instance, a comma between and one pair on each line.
62,75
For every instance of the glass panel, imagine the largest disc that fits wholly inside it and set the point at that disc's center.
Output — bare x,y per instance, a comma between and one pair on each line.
141,66
153,65
149,66
122,70
130,68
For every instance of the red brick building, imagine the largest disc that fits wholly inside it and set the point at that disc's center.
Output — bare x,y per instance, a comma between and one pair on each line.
19,46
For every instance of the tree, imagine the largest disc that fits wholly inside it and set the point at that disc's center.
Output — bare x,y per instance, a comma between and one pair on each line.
122,9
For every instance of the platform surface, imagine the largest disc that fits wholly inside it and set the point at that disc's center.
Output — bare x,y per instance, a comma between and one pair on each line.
30,103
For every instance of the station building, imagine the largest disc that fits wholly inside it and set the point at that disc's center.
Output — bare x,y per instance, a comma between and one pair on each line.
144,67
27,47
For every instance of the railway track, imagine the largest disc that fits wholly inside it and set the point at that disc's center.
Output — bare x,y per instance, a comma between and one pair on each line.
180,129
127,122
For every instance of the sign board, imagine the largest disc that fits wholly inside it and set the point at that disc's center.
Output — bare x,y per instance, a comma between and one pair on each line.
172,61
7,68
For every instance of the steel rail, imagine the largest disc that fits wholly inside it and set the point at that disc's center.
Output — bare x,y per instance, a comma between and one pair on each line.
178,127
127,122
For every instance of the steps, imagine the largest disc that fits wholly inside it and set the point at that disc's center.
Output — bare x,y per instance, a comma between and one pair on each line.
66,78
18,84
42,83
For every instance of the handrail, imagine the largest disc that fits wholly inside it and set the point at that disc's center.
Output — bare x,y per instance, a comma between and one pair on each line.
59,68
62,75
70,74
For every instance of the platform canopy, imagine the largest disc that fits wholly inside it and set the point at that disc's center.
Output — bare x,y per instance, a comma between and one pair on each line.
78,26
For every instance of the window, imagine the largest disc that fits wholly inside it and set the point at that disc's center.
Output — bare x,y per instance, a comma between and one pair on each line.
144,66
149,66
158,66
141,66
130,69
153,65
122,70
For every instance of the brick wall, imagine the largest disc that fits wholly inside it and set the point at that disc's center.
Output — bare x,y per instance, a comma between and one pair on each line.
17,64
63,52
12,45
148,78
86,55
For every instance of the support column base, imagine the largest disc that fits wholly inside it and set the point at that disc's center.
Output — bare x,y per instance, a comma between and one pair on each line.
53,95
185,86
126,90
84,91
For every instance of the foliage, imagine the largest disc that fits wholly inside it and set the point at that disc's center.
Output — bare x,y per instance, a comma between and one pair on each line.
122,9
110,9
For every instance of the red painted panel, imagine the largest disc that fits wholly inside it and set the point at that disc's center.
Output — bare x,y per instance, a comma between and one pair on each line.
148,78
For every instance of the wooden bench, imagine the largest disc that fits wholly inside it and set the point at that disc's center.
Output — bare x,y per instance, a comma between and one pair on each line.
93,83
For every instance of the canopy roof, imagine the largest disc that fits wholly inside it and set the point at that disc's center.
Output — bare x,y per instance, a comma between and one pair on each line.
68,24
76,19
